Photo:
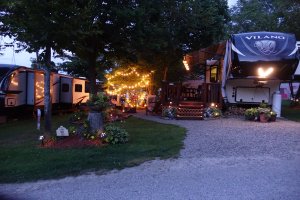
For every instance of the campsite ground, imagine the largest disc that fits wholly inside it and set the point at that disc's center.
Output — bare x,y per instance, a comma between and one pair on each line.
229,158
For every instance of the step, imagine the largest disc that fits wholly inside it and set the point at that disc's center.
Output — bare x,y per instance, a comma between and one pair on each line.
191,104
186,110
189,117
189,113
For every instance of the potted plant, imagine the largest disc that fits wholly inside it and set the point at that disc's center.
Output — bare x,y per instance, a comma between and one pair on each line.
264,114
169,112
98,103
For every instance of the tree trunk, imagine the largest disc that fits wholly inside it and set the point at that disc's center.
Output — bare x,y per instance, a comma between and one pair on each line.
96,121
95,118
298,93
47,95
292,89
92,74
165,73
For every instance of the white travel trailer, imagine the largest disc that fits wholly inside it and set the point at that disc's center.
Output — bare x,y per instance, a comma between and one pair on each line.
22,88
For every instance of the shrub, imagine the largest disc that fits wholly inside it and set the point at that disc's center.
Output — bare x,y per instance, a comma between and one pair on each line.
212,112
169,112
83,130
251,114
77,117
72,130
98,102
256,113
115,134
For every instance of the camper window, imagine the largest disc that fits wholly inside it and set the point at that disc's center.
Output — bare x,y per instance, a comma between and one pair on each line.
78,88
65,87
213,74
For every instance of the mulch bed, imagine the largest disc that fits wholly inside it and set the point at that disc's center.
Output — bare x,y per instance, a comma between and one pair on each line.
72,142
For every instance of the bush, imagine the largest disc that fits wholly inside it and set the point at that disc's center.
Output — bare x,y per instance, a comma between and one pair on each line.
251,114
254,114
115,134
98,102
78,116
212,112
169,112
83,130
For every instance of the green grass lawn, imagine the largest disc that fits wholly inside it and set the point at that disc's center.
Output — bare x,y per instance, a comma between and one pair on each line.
22,159
289,112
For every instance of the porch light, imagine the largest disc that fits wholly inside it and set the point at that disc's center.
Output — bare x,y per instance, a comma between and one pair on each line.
186,65
264,73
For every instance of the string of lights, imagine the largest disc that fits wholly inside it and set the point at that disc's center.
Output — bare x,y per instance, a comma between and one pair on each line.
130,84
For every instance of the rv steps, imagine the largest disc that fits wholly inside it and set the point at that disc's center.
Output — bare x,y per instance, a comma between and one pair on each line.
190,110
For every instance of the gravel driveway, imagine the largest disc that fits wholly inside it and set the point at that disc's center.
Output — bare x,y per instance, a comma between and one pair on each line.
227,158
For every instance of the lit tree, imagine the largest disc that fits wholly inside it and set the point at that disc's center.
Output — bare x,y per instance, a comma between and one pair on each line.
130,82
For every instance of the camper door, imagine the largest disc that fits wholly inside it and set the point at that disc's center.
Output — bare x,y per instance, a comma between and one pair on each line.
80,93
39,88
65,90
16,93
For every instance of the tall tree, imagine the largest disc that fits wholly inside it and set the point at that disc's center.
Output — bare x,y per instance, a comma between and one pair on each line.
266,15
98,35
153,34
38,25
166,29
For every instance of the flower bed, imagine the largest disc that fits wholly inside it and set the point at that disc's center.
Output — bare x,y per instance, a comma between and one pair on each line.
73,141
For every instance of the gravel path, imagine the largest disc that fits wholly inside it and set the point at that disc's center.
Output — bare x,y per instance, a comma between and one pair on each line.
227,158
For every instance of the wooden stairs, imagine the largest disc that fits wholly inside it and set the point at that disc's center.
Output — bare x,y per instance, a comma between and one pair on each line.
190,110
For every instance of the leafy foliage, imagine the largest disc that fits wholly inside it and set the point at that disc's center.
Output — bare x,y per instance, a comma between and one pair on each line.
253,114
98,102
169,112
44,27
153,34
165,30
212,112
266,15
115,134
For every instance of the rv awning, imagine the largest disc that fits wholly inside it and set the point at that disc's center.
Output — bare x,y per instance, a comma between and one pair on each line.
199,58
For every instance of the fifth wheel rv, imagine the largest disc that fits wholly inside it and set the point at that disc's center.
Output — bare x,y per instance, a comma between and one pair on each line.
22,88
249,67
255,64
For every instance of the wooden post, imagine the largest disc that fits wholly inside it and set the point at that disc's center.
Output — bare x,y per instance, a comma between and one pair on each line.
178,92
204,93
164,90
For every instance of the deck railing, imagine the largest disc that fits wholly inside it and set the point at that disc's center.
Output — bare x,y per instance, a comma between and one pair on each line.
206,93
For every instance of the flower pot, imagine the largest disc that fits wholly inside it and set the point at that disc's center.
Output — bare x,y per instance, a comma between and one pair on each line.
263,117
